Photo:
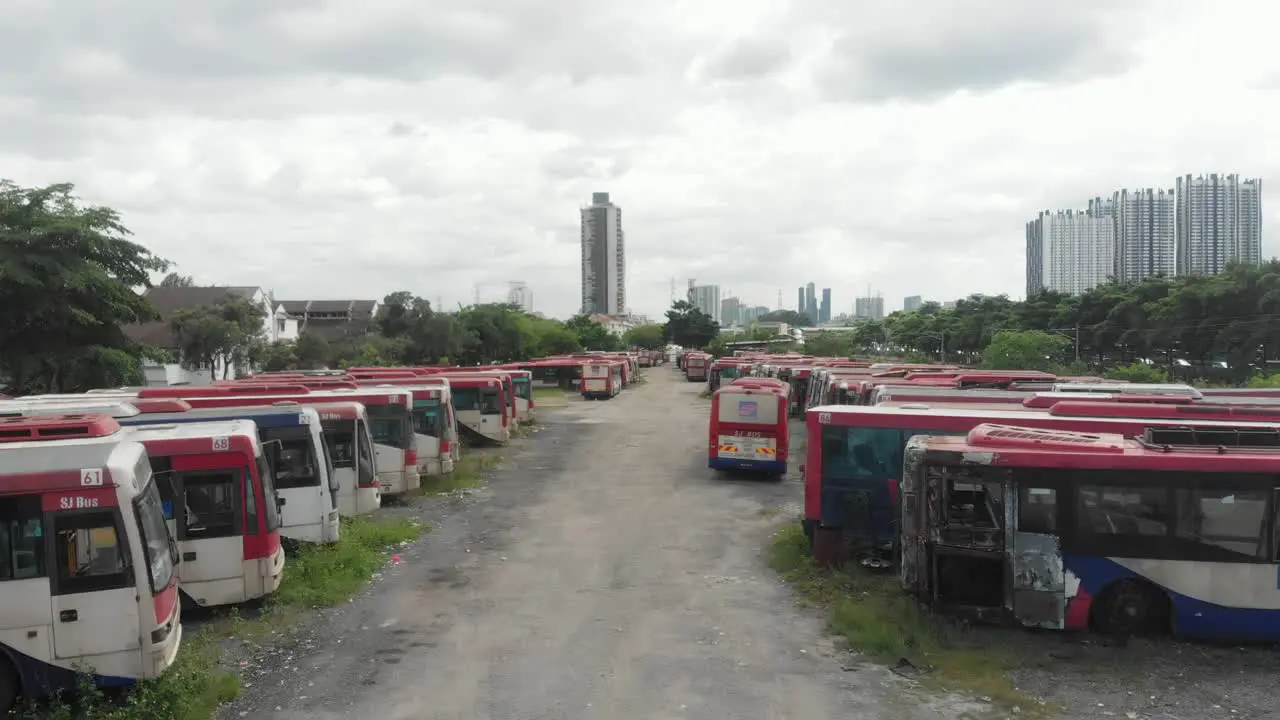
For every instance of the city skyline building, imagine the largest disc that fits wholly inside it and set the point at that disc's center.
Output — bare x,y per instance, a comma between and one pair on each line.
604,258
1070,251
869,308
1145,242
519,294
1218,220
707,299
912,302
811,303
824,309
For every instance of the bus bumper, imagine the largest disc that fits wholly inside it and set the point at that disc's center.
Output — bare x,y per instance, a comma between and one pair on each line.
773,467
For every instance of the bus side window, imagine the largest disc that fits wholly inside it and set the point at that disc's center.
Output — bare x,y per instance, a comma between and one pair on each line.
250,504
89,554
21,538
210,500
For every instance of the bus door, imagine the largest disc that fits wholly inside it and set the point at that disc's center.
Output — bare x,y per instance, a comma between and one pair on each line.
597,379
94,597
211,510
1038,587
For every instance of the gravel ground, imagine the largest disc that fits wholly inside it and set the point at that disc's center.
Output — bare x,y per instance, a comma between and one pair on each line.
603,572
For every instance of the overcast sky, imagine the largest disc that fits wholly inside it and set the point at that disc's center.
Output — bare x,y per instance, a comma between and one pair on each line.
335,149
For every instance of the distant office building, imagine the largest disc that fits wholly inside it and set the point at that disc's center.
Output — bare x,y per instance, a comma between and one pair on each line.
869,308
604,258
811,303
949,305
1218,220
707,299
824,310
800,300
751,314
1070,251
731,311
521,296
912,302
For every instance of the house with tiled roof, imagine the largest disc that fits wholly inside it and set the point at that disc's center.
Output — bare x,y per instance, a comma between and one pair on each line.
168,301
332,319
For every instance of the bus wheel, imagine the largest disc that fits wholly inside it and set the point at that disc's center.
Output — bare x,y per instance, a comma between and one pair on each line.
1131,607
10,686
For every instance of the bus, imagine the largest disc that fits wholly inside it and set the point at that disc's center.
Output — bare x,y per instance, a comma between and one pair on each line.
854,459
220,501
1081,531
87,565
601,379
298,456
388,413
749,428
695,366
345,427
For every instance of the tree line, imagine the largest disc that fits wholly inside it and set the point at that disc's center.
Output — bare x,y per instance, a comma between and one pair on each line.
1222,327
72,282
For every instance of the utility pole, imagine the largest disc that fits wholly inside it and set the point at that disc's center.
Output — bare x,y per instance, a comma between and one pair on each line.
1077,343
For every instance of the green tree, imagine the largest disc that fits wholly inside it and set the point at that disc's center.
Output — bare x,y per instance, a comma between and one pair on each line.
591,334
174,280
67,277
829,344
689,327
648,336
1023,350
312,351
550,337
276,356
225,335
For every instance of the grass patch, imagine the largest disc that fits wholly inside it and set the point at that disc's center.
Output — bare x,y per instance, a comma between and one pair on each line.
193,687
872,614
546,398
327,575
468,473
705,394
526,428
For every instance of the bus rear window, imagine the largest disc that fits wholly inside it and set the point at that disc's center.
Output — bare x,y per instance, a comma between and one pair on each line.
754,409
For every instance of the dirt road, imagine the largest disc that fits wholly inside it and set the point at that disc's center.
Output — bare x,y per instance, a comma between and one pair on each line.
604,573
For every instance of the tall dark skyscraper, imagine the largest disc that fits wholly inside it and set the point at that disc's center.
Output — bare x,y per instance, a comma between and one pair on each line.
800,300
811,303
824,310
604,258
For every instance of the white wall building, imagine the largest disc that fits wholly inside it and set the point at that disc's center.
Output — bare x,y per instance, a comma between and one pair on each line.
604,258
1144,236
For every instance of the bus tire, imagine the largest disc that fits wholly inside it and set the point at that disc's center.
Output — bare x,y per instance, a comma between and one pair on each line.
1131,606
10,686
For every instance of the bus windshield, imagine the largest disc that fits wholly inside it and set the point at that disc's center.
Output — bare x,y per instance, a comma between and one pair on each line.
466,399
490,402
295,463
388,427
427,418
524,389
155,537
340,435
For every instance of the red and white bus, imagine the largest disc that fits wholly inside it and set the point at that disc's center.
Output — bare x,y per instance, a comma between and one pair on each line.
390,423
87,565
749,428
696,365
346,430
854,459
220,500
601,379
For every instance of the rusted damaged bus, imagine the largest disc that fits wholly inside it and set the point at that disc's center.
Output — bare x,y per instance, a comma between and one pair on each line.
1170,534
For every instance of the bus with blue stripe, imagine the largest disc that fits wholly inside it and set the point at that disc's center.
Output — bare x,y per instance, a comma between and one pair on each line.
304,475
1170,533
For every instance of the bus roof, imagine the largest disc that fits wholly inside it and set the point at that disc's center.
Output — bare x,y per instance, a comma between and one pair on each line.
922,416
197,438
339,410
264,416
1013,446
82,453
90,405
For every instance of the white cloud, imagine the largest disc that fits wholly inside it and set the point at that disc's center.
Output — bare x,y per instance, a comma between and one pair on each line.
329,149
